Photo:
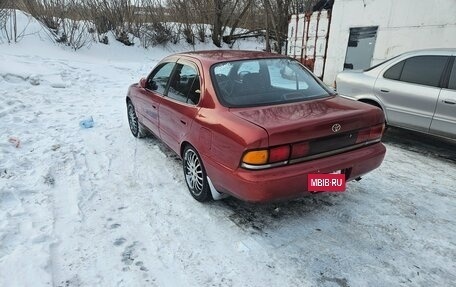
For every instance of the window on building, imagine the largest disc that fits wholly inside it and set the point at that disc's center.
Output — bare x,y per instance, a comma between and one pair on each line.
360,48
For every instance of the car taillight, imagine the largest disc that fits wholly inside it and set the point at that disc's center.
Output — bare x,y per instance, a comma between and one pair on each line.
363,136
369,134
275,156
256,157
280,153
266,156
376,132
299,150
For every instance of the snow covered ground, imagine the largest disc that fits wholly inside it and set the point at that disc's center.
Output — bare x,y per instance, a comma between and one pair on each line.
97,207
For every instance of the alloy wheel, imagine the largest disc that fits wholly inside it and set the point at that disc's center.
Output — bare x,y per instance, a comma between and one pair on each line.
193,172
132,120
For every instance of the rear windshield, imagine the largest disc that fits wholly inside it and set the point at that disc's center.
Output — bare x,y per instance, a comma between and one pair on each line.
260,82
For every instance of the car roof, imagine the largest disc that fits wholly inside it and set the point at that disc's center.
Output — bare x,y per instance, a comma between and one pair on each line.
435,51
404,55
216,56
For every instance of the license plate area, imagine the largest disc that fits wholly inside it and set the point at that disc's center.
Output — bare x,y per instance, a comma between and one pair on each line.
326,182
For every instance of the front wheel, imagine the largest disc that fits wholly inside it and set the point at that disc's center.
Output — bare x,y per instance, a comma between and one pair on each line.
195,175
136,127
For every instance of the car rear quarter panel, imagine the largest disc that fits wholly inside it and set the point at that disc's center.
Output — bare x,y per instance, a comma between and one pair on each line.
357,85
225,137
221,140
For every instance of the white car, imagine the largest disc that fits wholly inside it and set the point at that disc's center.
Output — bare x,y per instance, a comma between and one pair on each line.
416,90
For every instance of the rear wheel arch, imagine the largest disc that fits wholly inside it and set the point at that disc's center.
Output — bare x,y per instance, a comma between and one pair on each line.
184,144
372,102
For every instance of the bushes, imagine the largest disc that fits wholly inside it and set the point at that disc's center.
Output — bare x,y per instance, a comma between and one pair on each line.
189,36
122,36
77,22
159,34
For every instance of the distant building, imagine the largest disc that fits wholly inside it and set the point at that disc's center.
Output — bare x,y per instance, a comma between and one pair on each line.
356,34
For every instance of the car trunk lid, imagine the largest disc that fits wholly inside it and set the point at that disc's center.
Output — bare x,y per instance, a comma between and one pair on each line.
327,124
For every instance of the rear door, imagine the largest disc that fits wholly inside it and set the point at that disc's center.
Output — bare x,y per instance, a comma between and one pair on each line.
179,106
409,91
444,121
150,98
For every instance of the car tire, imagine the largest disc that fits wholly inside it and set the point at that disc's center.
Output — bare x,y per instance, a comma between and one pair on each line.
195,175
136,127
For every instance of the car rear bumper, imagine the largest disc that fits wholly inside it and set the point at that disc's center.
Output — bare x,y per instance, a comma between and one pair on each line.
291,181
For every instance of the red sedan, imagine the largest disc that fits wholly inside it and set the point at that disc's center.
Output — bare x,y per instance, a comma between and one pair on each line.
253,124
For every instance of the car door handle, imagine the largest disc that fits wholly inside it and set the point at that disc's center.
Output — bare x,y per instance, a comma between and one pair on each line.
450,102
384,91
183,122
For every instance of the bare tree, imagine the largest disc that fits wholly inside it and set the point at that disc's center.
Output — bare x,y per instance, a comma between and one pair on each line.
157,22
8,21
183,9
158,30
201,18
234,25
3,10
277,12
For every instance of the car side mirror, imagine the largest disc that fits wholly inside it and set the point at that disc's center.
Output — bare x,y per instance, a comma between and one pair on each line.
143,83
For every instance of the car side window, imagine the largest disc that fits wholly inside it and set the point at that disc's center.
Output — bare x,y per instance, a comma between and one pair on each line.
195,92
452,82
185,84
423,70
159,78
394,73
